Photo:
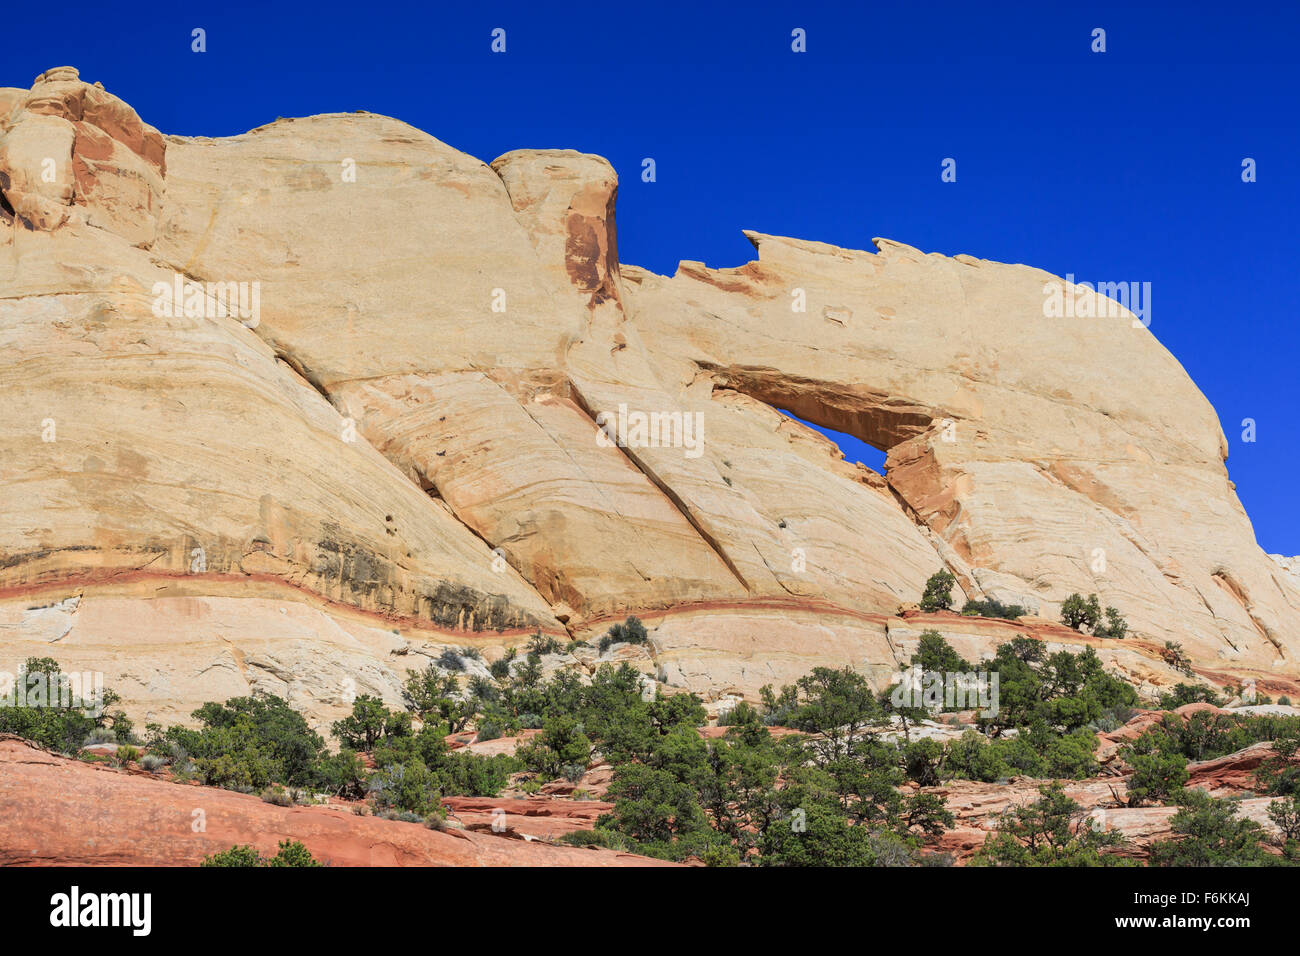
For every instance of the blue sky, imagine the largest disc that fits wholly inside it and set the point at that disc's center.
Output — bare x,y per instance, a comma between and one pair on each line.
1117,166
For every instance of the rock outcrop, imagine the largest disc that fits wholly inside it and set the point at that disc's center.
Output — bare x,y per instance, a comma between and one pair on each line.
295,408
55,811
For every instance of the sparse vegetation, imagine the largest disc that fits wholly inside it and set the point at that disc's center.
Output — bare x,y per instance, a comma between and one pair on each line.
1051,831
991,607
1189,694
1209,832
1177,658
46,720
1086,615
847,789
291,853
631,631
938,591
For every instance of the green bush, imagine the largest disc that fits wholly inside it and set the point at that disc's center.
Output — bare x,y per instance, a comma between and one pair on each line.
247,743
1208,832
631,631
1115,627
1054,830
291,853
451,660
991,607
405,786
544,644
47,723
1156,776
972,757
938,591
1189,694
562,745
1081,614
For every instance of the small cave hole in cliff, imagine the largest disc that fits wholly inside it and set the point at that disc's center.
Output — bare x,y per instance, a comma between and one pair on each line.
854,449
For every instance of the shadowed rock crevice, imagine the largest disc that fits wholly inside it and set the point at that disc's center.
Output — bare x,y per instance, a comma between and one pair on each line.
900,428
869,415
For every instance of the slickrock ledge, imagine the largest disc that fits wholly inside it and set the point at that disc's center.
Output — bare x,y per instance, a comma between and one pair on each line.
399,450
55,811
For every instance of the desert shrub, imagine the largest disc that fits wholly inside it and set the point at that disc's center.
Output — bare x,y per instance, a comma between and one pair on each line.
544,644
1079,613
1177,658
404,786
46,722
153,762
720,854
1156,776
1280,774
248,743
277,795
1063,691
938,591
610,839
741,715
483,690
991,607
631,631
1189,694
835,706
934,653
341,774
826,839
291,853
1285,813
245,855
469,775
1054,830
923,760
561,745
1209,832
1206,735
451,660
972,757
500,668
1114,627
435,697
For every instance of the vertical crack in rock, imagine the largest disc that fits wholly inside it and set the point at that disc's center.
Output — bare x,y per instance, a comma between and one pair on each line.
686,512
1228,581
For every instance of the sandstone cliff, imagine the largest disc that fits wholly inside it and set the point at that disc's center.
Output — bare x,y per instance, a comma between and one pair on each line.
394,446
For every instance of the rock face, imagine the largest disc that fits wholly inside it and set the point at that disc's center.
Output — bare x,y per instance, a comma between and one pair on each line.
292,406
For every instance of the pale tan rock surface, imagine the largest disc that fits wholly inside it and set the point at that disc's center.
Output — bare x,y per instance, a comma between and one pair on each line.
468,325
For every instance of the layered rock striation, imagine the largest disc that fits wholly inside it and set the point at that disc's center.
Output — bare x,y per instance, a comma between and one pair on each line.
292,409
